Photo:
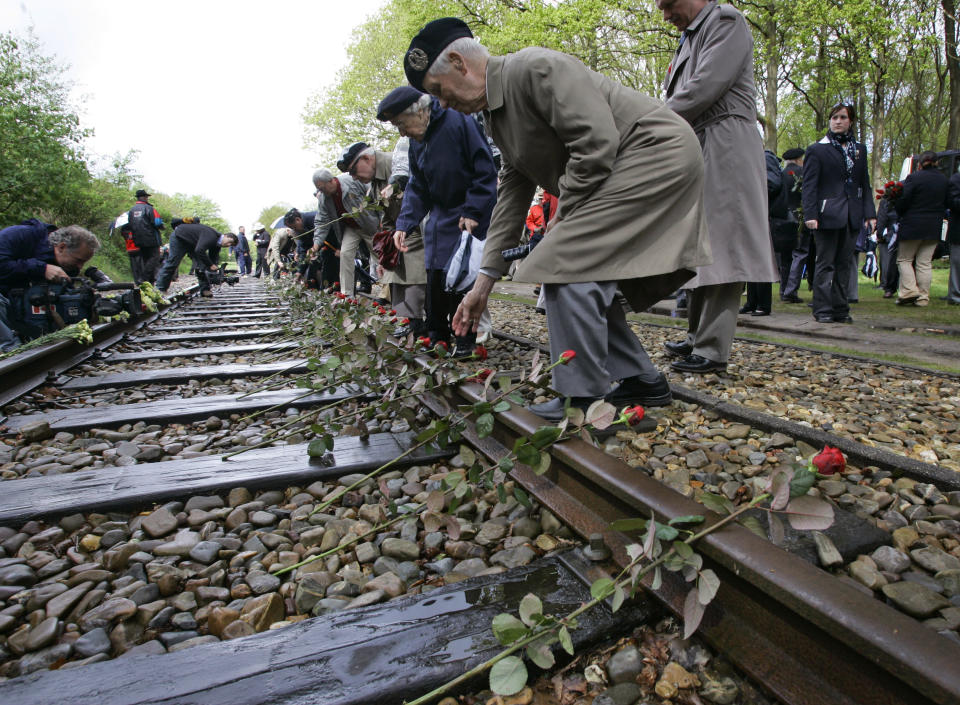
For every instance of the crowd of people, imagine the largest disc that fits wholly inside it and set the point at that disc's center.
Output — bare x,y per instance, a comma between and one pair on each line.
620,195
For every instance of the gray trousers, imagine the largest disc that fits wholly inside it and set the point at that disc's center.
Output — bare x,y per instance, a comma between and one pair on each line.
586,318
953,288
408,300
712,320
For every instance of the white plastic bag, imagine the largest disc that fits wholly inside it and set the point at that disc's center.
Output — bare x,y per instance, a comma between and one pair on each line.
464,264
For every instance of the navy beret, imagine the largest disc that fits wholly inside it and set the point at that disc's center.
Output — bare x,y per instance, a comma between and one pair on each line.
794,153
350,155
429,44
397,100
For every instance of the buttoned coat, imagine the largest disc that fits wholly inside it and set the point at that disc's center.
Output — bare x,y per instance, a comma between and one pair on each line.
824,178
710,84
627,171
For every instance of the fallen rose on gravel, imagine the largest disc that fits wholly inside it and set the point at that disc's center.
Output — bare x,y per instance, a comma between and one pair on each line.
480,353
829,461
567,355
481,376
632,415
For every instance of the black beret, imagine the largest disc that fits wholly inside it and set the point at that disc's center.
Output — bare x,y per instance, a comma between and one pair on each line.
397,100
794,153
142,194
428,45
350,155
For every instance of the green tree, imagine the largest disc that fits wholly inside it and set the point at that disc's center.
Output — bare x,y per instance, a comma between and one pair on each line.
271,213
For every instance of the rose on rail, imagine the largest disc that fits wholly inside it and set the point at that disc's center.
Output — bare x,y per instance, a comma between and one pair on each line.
829,461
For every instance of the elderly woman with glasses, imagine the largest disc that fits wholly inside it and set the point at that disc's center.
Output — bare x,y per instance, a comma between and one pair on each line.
453,181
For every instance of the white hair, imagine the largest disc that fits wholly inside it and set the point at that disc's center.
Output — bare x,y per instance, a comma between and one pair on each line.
74,237
369,151
467,47
322,176
416,106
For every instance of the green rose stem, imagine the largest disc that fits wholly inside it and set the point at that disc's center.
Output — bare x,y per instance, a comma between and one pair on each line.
255,414
622,580
432,436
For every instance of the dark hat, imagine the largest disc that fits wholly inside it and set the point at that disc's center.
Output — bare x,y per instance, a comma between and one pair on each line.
350,155
397,100
794,153
428,45
143,194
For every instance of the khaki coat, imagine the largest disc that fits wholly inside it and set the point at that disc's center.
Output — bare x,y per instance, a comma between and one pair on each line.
710,84
628,173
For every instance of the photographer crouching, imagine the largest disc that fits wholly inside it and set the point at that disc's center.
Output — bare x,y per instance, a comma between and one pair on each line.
33,252
202,243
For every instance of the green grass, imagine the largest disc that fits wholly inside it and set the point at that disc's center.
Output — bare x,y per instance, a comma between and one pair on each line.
878,310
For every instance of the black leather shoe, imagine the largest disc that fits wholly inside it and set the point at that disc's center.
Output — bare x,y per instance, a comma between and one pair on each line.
696,363
745,309
632,391
553,410
791,299
679,349
843,319
760,313
824,319
909,301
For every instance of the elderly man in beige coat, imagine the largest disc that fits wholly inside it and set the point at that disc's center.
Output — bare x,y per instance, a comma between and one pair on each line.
710,84
628,173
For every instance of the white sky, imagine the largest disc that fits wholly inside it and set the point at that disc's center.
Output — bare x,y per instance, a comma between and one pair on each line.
217,111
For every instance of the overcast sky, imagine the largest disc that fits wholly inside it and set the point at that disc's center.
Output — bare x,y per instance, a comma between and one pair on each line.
211,92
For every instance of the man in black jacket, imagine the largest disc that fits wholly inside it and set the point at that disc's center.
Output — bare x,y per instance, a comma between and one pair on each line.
261,238
144,225
203,244
800,256
837,202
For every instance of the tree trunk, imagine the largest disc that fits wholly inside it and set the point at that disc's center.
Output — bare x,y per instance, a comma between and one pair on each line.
953,69
770,107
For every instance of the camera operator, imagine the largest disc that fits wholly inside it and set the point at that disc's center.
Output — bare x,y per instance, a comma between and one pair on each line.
203,244
35,251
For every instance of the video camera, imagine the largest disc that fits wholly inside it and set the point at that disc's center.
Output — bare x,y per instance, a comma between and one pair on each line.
515,253
222,276
43,308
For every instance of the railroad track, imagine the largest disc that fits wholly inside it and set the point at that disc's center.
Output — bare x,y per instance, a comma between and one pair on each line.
775,616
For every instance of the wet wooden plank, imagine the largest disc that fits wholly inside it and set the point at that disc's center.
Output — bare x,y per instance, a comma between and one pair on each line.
266,313
173,410
382,654
215,325
193,352
179,375
226,335
135,486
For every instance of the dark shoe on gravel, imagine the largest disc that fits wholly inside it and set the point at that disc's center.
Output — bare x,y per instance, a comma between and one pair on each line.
698,364
632,392
553,410
678,349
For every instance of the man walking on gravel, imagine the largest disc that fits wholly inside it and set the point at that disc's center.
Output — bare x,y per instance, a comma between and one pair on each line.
629,178
203,244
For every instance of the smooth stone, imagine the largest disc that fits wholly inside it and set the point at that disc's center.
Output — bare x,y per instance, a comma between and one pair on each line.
400,549
866,574
620,694
237,629
950,581
169,639
195,641
914,599
103,614
261,612
389,583
220,618
64,602
182,544
935,559
36,431
310,590
205,551
184,621
891,559
261,582
184,602
44,634
513,557
159,523
328,605
150,648
625,665
17,574
96,641
44,658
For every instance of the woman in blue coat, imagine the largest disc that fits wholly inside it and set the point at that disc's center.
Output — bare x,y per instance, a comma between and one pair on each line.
453,180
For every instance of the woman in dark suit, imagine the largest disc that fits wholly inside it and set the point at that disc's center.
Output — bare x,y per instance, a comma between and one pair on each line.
921,208
837,202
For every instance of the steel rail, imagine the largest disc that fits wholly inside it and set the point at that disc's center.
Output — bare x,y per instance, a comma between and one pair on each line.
808,637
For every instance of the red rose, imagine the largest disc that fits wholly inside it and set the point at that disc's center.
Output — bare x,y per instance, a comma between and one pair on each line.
829,461
566,356
633,415
480,353
393,312
405,321
442,344
424,341
336,285
393,320
480,377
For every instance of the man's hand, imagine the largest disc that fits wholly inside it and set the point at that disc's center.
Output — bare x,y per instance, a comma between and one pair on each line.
467,317
871,224
380,271
214,268
52,273
399,237
812,224
468,224
314,250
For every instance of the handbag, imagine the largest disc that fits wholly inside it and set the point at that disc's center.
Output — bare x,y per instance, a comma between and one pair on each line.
464,264
386,251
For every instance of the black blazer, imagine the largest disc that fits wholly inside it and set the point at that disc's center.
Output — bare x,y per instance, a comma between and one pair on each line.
953,203
825,192
922,205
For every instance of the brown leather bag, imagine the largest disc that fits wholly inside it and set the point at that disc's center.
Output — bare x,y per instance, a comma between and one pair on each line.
385,250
